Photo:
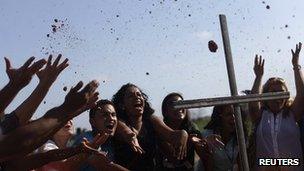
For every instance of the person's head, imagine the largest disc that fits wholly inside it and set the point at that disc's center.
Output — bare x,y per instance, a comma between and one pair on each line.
222,118
171,114
275,84
130,101
66,132
103,117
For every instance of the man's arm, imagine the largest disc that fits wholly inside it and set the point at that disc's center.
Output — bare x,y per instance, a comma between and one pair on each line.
57,157
18,79
27,138
47,77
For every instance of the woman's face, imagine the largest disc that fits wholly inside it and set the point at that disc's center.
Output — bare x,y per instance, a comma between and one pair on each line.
227,117
276,106
133,102
67,130
175,114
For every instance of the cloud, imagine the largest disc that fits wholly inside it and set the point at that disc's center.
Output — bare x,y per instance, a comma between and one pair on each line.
203,35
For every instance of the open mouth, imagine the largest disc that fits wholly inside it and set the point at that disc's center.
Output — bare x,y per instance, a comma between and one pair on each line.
110,126
138,104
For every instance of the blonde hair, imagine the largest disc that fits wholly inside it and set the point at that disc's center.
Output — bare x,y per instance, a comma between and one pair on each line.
277,81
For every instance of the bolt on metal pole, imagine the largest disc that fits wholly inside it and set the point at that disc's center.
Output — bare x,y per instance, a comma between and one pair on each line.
233,90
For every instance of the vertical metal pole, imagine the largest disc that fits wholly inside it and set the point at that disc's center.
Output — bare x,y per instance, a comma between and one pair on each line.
233,90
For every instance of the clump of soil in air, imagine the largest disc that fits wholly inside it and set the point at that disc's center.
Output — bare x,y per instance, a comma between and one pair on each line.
61,36
103,81
288,37
212,46
286,25
147,73
44,102
65,88
267,7
279,50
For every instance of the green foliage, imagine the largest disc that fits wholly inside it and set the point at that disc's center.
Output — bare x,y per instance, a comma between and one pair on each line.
201,122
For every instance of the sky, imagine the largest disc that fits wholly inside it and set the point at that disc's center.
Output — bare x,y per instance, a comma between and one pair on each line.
159,45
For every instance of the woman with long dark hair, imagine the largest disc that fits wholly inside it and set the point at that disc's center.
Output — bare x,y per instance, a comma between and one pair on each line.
176,119
221,149
134,111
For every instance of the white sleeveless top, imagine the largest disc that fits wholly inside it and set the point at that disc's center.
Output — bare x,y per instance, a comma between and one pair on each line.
278,137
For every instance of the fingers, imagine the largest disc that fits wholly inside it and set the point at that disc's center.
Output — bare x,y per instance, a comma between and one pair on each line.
63,65
260,60
141,151
37,66
57,60
49,62
85,140
256,60
7,64
263,63
90,87
77,87
28,62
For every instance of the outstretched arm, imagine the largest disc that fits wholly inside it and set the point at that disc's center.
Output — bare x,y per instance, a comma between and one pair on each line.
47,77
37,160
254,107
177,138
27,138
297,106
18,79
129,136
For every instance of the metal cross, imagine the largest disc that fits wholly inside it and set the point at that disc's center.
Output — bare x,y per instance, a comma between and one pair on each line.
234,99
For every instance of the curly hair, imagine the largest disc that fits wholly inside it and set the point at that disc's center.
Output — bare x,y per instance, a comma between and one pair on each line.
118,97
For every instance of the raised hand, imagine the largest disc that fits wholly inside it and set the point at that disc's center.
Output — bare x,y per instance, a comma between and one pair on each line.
20,77
295,54
51,71
78,101
258,66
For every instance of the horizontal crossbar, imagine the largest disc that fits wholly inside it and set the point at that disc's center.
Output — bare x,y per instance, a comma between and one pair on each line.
197,103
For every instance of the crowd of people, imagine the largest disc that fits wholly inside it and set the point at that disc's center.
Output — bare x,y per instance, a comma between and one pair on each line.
126,134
